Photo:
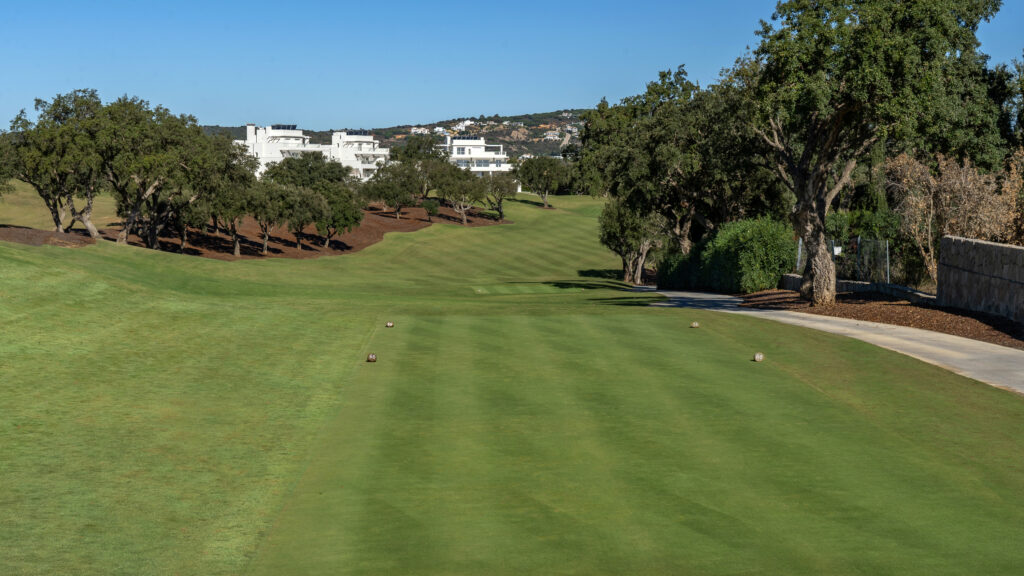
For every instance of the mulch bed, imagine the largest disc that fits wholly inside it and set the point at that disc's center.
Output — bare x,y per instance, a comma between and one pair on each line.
377,221
873,307
34,237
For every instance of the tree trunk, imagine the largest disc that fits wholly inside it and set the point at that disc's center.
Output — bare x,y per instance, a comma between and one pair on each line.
298,242
544,197
398,212
235,240
184,238
266,238
819,276
93,232
327,241
85,215
463,214
627,269
681,230
501,211
153,236
57,214
216,226
641,261
129,224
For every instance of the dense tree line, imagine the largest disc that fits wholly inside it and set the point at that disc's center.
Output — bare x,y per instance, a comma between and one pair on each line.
166,174
837,107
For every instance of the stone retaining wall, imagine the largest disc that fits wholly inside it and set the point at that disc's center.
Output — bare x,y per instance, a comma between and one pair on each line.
982,276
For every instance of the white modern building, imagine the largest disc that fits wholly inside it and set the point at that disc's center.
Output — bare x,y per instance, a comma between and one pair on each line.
270,144
476,155
360,151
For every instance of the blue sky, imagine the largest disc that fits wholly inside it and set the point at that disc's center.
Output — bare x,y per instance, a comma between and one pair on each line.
373,64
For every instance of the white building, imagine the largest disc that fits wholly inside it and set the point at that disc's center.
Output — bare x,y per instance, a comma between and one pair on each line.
476,155
360,151
270,144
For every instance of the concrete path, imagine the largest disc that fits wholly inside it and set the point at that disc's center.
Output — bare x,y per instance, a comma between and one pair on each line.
995,365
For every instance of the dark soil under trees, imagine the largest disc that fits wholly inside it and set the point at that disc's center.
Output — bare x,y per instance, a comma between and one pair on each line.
377,221
34,237
874,307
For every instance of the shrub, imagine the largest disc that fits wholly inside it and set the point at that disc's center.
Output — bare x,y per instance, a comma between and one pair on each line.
432,207
743,256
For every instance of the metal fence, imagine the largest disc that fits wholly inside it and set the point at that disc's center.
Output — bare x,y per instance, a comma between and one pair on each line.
862,259
877,260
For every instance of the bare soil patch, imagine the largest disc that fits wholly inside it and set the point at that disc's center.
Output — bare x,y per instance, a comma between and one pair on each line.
377,221
34,237
873,307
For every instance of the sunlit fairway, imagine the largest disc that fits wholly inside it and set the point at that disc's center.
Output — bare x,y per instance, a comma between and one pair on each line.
163,414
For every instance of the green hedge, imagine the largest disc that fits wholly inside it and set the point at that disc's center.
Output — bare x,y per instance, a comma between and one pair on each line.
744,256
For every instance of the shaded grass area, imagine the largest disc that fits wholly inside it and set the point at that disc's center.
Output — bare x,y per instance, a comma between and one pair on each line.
161,414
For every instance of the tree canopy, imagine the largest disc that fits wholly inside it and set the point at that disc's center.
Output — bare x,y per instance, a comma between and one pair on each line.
56,154
542,175
838,77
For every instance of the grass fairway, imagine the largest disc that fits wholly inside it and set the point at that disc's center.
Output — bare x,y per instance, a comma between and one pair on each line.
162,414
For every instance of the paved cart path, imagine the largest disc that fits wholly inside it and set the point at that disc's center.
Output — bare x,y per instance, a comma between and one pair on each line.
989,363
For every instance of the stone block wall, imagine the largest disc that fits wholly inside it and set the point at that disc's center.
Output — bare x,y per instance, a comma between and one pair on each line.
982,276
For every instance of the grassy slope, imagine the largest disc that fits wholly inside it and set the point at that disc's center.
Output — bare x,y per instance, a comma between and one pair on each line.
23,207
163,414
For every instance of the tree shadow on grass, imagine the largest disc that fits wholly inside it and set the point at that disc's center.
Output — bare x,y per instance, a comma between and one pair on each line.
632,301
537,203
588,285
607,274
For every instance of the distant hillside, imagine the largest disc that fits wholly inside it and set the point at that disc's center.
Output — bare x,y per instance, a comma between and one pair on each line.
539,134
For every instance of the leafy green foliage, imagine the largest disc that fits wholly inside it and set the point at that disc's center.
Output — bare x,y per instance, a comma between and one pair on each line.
268,202
394,184
498,188
432,207
684,153
838,77
463,191
543,175
418,147
154,162
307,170
56,154
303,207
6,168
631,234
344,209
743,256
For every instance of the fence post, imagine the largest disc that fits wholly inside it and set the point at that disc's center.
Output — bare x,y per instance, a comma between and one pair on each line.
859,277
887,281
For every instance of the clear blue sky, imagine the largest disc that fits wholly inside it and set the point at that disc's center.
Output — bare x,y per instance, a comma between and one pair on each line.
373,64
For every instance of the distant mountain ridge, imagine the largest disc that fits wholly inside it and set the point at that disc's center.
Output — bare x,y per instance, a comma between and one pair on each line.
539,134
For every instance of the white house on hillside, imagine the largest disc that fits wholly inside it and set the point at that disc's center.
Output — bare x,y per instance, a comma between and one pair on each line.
270,144
476,155
360,151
